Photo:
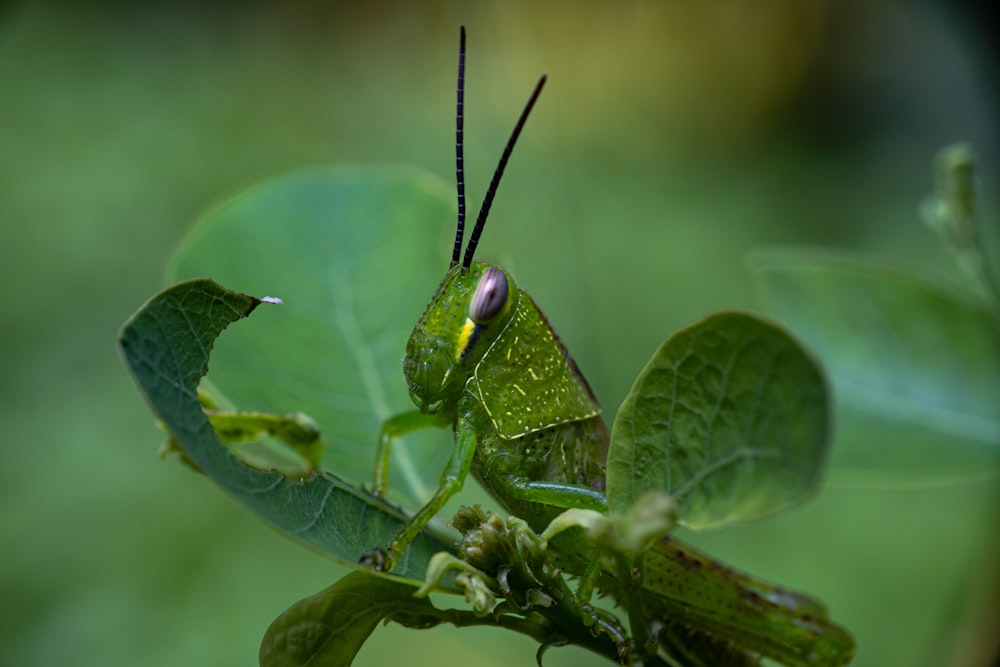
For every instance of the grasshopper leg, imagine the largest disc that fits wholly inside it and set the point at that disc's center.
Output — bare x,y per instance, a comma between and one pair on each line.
395,427
556,494
452,479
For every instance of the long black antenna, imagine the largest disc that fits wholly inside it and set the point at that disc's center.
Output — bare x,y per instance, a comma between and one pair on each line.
484,210
459,158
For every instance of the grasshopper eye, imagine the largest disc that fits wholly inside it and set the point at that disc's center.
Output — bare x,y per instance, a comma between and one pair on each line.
489,297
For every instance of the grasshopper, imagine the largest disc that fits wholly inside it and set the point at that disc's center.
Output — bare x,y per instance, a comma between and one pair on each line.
484,362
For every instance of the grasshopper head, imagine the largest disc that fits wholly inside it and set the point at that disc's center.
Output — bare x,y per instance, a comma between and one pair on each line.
474,302
470,308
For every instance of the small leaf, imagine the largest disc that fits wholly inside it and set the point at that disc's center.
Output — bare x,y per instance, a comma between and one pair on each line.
329,628
915,364
166,346
354,254
729,417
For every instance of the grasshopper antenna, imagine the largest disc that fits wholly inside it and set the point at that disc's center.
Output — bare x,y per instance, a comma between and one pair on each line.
484,210
459,157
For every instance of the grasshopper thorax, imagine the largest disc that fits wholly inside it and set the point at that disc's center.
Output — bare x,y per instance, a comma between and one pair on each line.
470,308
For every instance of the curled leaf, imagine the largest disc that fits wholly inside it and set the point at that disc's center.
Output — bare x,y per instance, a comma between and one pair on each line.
166,346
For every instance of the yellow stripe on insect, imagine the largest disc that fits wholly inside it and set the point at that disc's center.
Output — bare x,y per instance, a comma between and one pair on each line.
463,338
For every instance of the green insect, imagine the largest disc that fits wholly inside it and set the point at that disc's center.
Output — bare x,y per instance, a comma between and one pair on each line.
484,362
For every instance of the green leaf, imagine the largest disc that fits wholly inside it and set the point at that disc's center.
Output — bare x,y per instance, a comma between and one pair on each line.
328,629
166,346
729,417
915,364
354,253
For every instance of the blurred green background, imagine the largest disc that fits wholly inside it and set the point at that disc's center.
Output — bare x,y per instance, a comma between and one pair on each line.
701,130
